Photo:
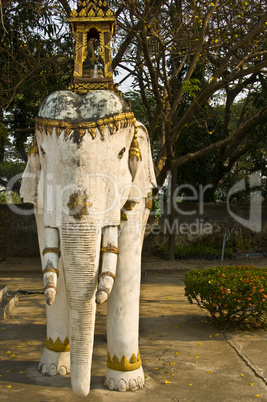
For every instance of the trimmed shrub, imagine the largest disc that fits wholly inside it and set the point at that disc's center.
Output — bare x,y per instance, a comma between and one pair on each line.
234,296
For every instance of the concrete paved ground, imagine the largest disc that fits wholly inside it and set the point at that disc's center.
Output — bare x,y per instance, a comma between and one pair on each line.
184,357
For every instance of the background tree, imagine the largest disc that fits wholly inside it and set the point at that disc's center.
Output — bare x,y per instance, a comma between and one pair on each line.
35,60
186,53
191,61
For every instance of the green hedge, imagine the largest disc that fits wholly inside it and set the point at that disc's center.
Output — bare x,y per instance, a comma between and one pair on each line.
234,296
195,251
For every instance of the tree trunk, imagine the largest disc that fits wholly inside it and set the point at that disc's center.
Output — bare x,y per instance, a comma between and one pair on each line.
172,216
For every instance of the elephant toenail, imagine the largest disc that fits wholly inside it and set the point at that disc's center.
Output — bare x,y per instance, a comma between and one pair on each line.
140,382
43,369
52,369
111,384
122,386
132,385
62,370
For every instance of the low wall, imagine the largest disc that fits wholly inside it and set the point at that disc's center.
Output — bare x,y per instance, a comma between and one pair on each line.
207,223
18,234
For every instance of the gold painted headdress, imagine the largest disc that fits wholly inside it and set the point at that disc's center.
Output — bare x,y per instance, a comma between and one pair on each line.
135,156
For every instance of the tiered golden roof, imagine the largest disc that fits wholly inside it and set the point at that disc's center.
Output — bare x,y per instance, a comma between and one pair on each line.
92,8
96,7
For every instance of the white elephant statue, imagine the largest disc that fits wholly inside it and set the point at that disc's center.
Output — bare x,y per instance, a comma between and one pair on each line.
88,175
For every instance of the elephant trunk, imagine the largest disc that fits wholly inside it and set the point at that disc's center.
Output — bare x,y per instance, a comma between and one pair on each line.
80,247
50,264
109,263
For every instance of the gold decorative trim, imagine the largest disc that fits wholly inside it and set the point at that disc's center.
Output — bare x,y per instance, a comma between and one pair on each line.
149,201
83,88
100,13
124,365
108,273
135,152
34,148
96,19
51,250
73,14
78,205
123,216
50,287
109,13
134,149
111,249
51,269
127,206
122,119
91,13
57,346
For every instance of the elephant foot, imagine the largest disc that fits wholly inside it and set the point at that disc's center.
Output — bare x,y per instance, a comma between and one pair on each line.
53,363
124,380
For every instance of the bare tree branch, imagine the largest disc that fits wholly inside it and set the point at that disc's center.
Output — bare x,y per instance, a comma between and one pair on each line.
214,147
66,6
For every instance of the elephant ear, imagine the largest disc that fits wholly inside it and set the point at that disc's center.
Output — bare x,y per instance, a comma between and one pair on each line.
144,179
31,177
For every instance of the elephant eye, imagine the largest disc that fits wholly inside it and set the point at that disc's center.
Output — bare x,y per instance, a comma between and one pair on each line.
122,152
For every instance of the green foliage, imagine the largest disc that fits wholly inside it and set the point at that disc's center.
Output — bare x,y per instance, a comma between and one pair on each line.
141,113
9,168
36,59
239,242
194,251
192,86
177,72
234,296
10,197
203,63
138,106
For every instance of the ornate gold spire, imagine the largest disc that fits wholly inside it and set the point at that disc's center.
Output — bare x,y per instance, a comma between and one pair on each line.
94,5
93,25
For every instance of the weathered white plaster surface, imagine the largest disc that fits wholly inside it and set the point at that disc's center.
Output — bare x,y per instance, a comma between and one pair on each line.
66,105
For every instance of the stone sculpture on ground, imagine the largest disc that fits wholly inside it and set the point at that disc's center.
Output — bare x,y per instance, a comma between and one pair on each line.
88,175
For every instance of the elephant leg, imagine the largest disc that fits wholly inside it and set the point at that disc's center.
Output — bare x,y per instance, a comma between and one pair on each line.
56,355
124,366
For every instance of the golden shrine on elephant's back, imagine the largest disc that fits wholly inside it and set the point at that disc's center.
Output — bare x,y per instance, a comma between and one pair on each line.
93,26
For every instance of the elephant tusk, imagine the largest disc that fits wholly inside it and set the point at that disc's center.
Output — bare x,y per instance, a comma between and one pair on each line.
50,292
110,253
51,255
102,295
